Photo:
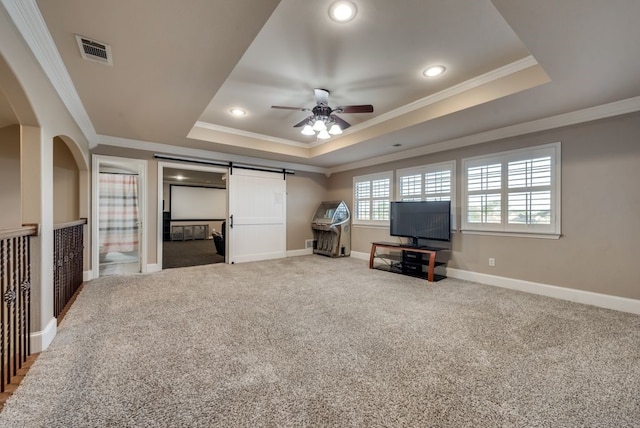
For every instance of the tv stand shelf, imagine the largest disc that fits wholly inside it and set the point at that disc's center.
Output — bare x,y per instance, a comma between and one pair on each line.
409,261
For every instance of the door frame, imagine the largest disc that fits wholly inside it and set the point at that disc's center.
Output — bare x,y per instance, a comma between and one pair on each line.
176,165
138,166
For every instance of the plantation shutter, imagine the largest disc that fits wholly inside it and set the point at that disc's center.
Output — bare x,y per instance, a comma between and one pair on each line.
372,198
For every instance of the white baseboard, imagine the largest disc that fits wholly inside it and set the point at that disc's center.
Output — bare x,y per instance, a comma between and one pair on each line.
622,304
87,275
308,251
303,252
40,340
360,256
154,267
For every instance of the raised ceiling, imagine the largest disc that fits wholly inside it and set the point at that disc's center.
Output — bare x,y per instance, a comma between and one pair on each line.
179,67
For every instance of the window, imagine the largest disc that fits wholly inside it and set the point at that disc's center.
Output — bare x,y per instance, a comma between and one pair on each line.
371,198
516,191
435,182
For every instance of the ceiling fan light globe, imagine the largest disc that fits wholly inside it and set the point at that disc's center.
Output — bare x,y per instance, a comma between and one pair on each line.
319,126
335,130
308,130
324,135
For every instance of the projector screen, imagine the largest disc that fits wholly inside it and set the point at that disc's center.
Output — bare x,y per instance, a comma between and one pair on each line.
198,203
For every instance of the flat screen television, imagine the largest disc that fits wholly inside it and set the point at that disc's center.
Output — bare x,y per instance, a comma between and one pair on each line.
421,220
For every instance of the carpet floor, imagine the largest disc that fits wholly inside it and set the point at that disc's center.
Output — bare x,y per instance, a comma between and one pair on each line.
313,341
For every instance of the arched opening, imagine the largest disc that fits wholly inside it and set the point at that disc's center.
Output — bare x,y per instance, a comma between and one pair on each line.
10,195
45,182
66,184
19,285
15,110
69,223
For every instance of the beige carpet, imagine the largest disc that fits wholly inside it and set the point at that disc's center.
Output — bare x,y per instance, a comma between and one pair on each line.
313,341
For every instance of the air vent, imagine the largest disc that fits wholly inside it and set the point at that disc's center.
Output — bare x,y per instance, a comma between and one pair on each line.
93,50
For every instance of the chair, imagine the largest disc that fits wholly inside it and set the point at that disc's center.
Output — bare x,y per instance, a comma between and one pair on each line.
219,238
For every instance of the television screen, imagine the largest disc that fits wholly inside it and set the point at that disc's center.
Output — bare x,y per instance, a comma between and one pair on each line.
421,220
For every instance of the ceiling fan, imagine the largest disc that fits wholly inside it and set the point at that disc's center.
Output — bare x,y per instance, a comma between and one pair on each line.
322,119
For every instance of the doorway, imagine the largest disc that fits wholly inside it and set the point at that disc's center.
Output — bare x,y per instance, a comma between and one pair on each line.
192,210
118,207
253,226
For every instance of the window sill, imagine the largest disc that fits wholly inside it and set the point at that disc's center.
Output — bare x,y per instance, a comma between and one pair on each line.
513,234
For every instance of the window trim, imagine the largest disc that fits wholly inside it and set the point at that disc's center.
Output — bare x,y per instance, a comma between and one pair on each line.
552,230
371,177
432,167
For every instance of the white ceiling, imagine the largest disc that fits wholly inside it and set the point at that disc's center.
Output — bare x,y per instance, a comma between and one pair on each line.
179,67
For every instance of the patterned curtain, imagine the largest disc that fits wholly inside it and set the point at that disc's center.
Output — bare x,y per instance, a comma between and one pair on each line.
118,213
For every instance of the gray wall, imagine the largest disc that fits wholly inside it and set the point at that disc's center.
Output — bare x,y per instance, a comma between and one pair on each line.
10,199
304,192
66,184
600,201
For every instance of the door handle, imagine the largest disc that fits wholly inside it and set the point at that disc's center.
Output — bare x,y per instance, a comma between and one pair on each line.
231,221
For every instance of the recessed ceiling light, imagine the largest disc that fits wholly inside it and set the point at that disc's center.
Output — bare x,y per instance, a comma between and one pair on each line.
238,112
342,11
434,71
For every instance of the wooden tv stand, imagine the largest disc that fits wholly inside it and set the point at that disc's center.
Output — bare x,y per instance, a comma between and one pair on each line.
400,264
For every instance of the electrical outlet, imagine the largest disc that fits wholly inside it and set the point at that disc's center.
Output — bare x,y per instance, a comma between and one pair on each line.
492,261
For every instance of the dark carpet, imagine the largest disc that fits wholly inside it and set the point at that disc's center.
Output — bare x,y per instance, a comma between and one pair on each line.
177,254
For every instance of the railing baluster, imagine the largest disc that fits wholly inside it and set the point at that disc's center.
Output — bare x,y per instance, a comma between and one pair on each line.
15,288
65,267
7,300
3,313
24,291
56,270
28,298
68,263
15,301
19,311
14,314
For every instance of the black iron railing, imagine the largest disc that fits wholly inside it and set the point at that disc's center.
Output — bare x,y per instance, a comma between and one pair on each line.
68,250
15,307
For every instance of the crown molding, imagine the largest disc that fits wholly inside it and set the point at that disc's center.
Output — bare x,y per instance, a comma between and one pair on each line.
204,154
247,134
604,111
29,21
458,89
617,108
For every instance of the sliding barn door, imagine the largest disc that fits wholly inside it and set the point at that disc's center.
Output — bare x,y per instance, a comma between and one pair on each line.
256,227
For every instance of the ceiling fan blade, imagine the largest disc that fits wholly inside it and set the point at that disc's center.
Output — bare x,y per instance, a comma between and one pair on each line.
343,124
292,108
322,96
366,108
302,122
